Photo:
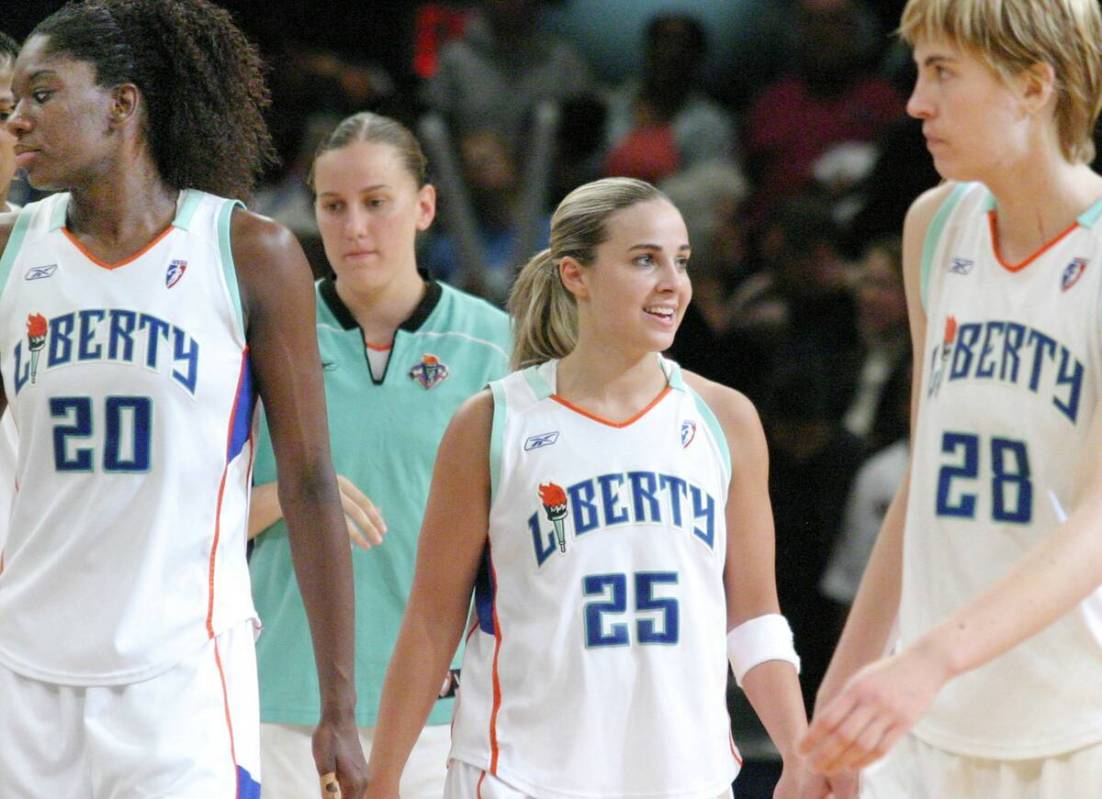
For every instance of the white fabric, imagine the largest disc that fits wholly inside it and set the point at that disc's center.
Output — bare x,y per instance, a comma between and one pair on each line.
758,640
916,770
127,534
289,771
1010,385
178,735
9,445
598,665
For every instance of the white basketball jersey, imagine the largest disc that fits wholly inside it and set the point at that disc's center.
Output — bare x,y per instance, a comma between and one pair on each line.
597,666
130,388
1010,383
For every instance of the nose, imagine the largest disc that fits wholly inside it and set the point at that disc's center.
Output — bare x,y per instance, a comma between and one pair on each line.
355,223
670,276
918,104
18,123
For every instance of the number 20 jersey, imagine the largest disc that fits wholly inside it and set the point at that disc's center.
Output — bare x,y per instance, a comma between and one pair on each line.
597,665
1009,387
130,388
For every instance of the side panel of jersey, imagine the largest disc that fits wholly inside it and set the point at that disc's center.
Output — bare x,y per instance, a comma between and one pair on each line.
1009,389
597,666
130,388
384,438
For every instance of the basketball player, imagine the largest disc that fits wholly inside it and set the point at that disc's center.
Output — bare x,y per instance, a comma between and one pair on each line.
992,548
401,353
611,516
138,311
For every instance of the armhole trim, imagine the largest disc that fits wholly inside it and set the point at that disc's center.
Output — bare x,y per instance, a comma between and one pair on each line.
712,421
14,245
225,215
497,436
933,235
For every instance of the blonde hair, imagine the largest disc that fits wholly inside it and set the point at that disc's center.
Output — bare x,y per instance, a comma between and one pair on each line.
544,313
1013,35
377,129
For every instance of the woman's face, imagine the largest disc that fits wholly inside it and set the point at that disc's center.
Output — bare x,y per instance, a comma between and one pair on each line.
635,292
369,210
62,119
7,138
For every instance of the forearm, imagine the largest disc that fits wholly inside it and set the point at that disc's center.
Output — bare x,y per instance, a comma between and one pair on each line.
264,508
323,566
865,635
1047,583
774,690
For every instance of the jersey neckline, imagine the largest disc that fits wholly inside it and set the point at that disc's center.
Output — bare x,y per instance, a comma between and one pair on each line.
1087,219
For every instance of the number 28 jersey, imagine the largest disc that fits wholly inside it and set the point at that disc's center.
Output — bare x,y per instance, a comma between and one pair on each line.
597,666
1009,387
130,388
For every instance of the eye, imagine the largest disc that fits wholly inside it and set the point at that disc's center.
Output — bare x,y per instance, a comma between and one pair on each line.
646,259
376,202
332,206
41,95
682,262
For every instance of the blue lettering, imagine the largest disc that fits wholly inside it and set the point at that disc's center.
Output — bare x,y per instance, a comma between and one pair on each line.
22,370
643,485
157,329
1012,342
542,552
967,336
121,335
610,498
582,506
1073,379
186,349
89,319
61,343
704,507
985,367
676,489
1041,342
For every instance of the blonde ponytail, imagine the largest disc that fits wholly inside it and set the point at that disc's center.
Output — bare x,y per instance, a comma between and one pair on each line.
544,313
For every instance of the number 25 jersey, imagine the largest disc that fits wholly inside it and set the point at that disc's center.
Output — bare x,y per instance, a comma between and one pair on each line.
130,388
1009,388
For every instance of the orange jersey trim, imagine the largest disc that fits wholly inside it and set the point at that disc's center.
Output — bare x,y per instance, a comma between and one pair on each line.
103,264
496,676
619,425
379,347
994,225
229,718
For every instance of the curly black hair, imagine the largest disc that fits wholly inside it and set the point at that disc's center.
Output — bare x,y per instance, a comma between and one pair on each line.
201,79
9,48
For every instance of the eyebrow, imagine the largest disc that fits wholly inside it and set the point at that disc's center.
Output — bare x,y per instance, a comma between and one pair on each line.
656,247
376,187
934,60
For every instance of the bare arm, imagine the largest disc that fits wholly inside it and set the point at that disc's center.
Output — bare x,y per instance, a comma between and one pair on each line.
750,572
363,519
453,539
278,299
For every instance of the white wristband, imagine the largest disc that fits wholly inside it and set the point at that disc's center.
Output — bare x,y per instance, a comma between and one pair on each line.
760,639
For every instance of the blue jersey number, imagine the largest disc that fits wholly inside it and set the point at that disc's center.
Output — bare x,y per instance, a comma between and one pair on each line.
1011,488
659,617
128,422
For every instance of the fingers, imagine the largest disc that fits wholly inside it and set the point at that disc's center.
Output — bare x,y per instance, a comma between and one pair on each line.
366,524
833,750
330,788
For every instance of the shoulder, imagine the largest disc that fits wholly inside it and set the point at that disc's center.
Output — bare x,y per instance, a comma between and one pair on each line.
470,427
475,316
260,242
735,412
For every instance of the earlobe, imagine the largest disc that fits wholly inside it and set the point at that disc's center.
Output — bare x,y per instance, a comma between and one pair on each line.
426,206
124,103
1039,85
572,275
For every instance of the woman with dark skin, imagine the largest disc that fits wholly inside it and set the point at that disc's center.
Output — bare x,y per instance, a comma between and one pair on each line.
127,105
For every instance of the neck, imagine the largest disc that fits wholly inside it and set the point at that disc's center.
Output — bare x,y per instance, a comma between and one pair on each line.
122,204
611,383
379,311
1037,202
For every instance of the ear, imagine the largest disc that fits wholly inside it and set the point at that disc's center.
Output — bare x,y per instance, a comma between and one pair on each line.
1037,85
125,103
426,206
573,276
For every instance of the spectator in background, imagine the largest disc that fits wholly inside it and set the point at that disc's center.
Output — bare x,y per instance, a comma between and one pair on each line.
664,122
492,180
832,98
501,68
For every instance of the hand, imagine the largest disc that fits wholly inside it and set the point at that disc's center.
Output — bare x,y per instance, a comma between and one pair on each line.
801,782
875,709
337,751
365,522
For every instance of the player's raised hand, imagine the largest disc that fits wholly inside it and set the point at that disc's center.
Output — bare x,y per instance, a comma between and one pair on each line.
366,526
876,708
339,757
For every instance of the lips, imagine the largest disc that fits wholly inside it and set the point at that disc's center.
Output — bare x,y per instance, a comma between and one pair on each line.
23,155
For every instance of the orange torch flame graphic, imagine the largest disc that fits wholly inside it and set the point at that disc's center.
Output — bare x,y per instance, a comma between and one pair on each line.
554,504
37,328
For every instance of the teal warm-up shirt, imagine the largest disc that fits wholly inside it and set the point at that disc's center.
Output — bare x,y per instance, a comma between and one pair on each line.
384,435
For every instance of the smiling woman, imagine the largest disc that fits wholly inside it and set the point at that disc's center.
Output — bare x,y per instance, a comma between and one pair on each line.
595,661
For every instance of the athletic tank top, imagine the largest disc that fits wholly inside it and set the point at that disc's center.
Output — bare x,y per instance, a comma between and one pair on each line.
597,665
1009,387
130,388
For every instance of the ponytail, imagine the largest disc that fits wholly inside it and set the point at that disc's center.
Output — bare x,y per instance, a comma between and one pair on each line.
544,313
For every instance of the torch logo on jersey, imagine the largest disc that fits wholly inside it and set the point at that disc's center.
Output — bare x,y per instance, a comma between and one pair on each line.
942,354
554,504
37,328
429,371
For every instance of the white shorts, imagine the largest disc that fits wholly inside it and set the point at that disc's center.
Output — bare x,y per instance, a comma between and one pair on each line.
470,782
190,733
916,770
289,771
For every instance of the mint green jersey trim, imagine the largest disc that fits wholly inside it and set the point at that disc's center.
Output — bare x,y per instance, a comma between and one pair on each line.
933,233
57,217
716,428
1089,217
225,214
15,243
189,203
673,374
497,436
537,383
